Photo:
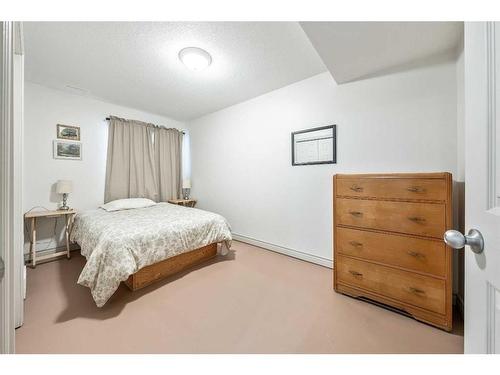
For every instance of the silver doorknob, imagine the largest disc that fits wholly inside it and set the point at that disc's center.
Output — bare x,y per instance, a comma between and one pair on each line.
457,240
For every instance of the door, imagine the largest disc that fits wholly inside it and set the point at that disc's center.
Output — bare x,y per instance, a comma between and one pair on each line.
482,185
6,190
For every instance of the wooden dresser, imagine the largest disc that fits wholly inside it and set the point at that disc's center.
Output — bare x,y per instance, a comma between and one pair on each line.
388,242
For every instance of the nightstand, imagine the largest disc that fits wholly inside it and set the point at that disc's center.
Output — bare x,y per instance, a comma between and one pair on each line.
34,215
183,202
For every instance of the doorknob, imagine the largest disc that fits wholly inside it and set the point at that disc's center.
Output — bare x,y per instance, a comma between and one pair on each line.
457,240
2,268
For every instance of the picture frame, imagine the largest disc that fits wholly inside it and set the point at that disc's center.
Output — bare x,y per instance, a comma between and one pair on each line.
315,146
68,132
68,150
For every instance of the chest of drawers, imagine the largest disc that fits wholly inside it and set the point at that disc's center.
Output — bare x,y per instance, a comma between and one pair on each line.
388,242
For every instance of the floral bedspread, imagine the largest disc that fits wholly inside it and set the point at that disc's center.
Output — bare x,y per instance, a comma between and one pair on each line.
118,244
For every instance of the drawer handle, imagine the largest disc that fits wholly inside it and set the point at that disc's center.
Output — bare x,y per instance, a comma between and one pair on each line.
356,188
356,243
415,254
355,273
416,189
416,219
416,291
356,213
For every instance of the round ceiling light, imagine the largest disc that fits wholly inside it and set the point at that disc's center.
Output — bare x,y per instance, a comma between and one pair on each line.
195,58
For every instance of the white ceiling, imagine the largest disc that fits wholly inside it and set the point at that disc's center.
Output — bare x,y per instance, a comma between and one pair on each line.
356,50
136,64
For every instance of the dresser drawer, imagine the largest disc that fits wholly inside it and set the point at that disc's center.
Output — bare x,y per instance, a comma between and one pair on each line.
423,219
412,253
392,188
422,291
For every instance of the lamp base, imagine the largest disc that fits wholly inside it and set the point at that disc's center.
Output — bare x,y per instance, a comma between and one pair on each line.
64,206
185,193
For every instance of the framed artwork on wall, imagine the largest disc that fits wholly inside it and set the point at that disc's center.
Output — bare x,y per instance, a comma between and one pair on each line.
315,146
67,150
68,132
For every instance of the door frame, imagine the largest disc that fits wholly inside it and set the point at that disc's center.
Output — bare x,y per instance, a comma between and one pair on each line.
17,176
7,317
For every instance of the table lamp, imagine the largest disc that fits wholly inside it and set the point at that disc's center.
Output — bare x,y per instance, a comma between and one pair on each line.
64,187
186,186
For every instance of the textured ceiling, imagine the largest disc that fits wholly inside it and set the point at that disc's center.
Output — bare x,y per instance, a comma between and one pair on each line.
356,50
136,64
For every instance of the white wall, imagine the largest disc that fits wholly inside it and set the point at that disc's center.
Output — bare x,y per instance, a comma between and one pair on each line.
44,109
241,167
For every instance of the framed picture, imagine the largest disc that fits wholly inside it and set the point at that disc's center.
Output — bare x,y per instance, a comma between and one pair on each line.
315,146
71,133
67,150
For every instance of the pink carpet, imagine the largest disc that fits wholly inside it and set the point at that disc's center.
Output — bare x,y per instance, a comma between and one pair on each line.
254,301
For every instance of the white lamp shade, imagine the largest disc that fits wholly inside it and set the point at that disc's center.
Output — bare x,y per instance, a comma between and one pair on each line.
186,183
64,186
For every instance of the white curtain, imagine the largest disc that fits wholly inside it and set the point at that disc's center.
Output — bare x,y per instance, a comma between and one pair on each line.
143,161
168,155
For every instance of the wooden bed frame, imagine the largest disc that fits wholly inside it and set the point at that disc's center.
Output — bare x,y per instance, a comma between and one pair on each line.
168,267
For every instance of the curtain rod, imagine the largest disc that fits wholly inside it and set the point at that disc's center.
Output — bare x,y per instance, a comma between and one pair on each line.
108,118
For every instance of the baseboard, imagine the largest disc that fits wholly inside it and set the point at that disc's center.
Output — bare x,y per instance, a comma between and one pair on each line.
285,250
72,247
238,237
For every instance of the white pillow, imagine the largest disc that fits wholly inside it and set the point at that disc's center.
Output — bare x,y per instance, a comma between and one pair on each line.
127,204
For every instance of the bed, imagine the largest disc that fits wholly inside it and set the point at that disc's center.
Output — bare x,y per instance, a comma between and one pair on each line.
139,246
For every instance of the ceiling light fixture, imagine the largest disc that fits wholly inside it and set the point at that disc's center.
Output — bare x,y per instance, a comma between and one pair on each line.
195,58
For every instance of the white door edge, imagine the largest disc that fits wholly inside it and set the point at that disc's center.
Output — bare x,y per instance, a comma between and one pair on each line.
6,189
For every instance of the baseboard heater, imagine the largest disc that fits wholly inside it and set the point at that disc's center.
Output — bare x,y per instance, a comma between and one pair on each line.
43,253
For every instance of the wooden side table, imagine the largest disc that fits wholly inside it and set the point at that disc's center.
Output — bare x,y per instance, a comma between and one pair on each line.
183,202
69,216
